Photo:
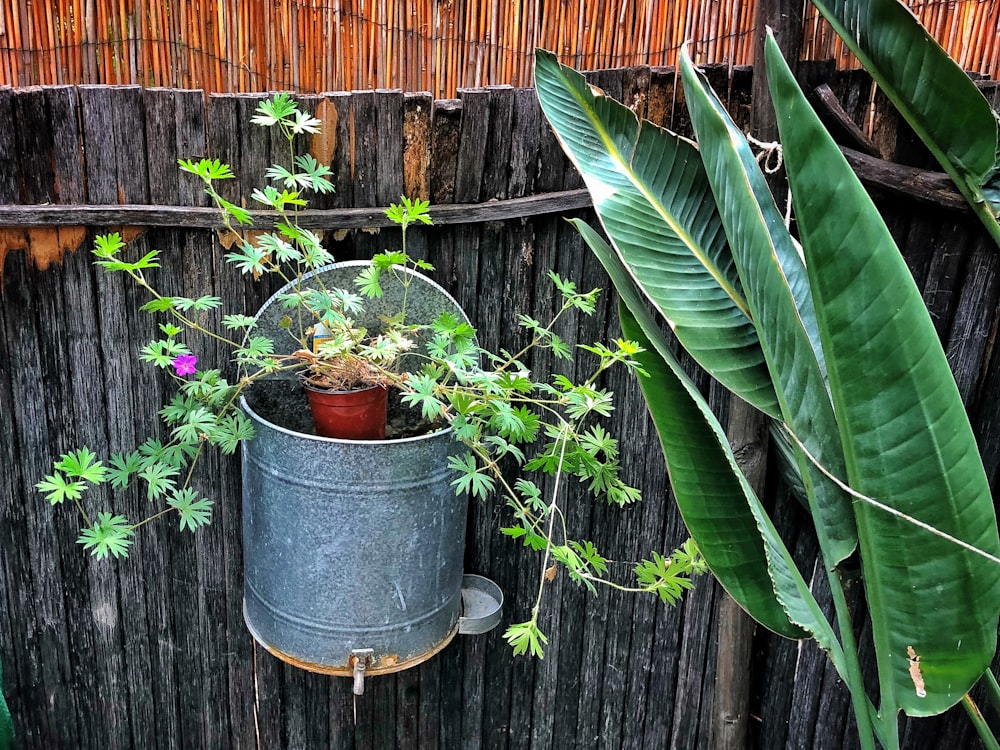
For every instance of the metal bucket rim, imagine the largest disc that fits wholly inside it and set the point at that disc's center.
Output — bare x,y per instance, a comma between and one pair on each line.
436,434
352,264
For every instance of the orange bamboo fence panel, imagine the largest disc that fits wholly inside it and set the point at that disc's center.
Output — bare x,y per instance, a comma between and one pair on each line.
439,46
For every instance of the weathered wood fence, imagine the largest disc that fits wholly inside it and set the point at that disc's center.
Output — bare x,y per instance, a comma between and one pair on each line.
152,652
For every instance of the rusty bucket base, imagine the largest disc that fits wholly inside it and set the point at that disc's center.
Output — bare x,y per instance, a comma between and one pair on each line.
384,664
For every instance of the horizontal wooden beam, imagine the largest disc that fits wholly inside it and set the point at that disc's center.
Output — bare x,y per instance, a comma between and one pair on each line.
196,217
934,188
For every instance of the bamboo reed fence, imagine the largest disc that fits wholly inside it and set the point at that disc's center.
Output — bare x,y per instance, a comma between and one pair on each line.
969,31
440,46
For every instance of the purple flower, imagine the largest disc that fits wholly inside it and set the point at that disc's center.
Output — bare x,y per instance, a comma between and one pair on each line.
184,364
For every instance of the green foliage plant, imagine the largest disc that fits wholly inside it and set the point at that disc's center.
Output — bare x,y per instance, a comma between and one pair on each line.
828,338
509,422
931,92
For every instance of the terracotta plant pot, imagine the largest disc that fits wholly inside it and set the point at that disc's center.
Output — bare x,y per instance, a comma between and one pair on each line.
349,415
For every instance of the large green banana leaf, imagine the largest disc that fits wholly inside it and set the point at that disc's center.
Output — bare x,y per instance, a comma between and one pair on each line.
720,509
931,92
654,201
906,438
781,306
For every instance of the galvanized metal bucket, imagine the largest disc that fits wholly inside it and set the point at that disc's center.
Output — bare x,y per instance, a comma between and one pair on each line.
353,550
349,546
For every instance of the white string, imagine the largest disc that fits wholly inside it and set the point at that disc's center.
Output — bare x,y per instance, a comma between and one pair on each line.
770,156
771,159
886,508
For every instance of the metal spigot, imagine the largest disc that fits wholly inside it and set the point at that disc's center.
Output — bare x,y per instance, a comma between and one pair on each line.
359,660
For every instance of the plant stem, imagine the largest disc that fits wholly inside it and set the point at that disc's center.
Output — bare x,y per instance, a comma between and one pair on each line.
985,734
992,688
153,517
552,521
855,683
197,455
79,507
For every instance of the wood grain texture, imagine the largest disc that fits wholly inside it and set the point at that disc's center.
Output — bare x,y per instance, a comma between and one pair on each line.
153,652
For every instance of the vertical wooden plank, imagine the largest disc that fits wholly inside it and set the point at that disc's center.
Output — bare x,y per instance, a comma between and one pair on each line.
463,279
18,614
43,662
629,535
98,129
471,154
497,154
524,143
379,704
255,150
389,118
607,618
365,137
430,692
66,142
524,293
498,301
50,605
341,716
81,339
776,658
695,666
564,670
577,263
635,89
747,431
447,119
9,188
204,551
114,353
160,117
417,110
729,708
808,683
660,102
339,125
942,274
631,626
130,142
34,144
446,127
654,664
133,187
224,127
739,104
407,727
305,703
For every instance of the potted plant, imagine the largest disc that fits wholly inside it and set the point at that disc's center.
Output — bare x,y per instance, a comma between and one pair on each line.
315,506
